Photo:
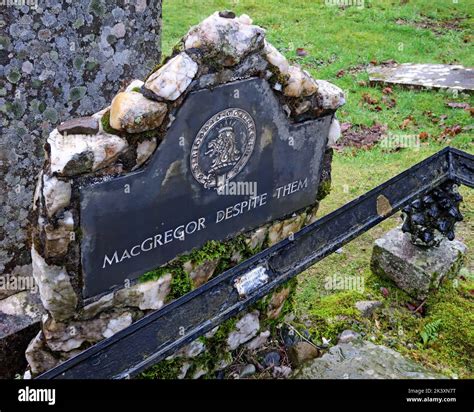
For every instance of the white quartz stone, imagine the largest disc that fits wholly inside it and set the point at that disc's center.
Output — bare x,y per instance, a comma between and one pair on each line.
226,40
55,287
275,58
246,329
134,113
300,83
171,80
147,295
117,324
102,147
57,194
334,132
134,84
144,150
329,96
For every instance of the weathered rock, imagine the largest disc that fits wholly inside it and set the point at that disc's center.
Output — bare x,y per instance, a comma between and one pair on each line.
276,303
79,125
76,154
334,132
149,295
59,235
303,107
257,238
57,194
65,337
364,360
259,341
414,269
93,309
192,350
246,329
145,296
281,371
329,96
134,84
55,288
201,273
299,83
23,303
271,359
247,370
172,79
134,113
252,65
144,150
302,352
225,41
367,307
39,358
275,58
348,336
115,325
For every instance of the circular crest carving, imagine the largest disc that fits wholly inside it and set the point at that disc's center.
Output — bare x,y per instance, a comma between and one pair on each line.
222,147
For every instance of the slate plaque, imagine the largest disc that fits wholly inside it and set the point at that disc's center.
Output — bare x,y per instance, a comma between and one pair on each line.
233,139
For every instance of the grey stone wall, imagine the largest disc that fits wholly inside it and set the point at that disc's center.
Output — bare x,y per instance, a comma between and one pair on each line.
60,59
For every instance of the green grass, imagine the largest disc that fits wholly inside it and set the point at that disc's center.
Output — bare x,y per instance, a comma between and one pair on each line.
340,39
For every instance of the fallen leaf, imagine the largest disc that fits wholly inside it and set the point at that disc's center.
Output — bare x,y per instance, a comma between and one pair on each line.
456,105
406,122
411,307
389,101
367,98
423,136
385,292
387,90
301,52
340,73
345,126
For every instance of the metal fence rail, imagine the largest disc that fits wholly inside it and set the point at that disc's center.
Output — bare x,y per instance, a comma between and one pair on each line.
161,333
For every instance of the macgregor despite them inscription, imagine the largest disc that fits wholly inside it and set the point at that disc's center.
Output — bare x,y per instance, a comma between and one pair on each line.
180,232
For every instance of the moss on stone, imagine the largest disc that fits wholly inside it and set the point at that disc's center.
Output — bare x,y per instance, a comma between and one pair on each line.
323,190
180,284
105,121
166,369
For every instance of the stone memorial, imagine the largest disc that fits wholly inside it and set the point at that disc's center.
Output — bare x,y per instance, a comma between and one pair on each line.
58,59
221,151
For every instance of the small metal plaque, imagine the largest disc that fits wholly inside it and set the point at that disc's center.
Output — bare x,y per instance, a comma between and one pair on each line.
251,281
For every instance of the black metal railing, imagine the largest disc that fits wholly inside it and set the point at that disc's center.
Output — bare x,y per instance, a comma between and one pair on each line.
161,333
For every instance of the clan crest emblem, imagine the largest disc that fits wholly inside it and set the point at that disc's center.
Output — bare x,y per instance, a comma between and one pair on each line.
222,147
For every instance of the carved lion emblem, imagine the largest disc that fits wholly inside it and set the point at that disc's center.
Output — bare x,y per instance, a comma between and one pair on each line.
222,147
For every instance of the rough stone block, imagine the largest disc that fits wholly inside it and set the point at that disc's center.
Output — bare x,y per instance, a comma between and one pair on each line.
414,269
19,323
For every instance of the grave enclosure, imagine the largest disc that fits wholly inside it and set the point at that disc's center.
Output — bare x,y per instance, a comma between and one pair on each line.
221,152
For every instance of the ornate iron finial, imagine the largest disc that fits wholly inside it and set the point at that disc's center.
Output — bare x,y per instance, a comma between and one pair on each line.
430,218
